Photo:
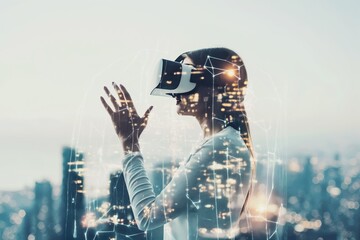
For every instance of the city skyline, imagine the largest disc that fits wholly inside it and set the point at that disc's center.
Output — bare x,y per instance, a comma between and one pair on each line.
313,198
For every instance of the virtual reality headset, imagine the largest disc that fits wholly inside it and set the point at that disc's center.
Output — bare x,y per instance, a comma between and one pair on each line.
177,78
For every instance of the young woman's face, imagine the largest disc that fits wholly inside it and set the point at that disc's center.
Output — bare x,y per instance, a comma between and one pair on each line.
195,102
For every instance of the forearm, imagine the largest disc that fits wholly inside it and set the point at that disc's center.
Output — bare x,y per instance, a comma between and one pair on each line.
140,190
152,211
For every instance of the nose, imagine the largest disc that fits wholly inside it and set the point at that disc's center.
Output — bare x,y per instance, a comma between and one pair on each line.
172,95
176,96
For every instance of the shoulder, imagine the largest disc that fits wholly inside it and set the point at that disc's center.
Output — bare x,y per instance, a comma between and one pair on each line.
228,138
224,144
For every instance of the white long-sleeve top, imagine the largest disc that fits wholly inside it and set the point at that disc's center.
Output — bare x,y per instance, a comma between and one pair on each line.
205,196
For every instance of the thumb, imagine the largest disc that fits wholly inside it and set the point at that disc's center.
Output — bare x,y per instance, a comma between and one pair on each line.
144,119
148,111
146,115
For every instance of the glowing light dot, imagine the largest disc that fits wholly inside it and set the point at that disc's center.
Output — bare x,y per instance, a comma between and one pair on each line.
299,228
31,237
230,72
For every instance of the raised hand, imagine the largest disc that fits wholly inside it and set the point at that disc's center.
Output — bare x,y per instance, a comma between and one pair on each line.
128,124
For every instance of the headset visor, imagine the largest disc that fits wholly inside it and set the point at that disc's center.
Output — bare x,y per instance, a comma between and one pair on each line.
172,78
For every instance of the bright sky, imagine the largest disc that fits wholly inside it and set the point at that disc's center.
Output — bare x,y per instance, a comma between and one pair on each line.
56,56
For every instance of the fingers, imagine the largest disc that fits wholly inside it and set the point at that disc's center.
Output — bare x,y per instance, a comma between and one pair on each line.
108,109
112,98
144,119
123,103
146,114
127,97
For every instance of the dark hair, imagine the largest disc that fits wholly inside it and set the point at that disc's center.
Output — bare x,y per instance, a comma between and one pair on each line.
200,57
220,58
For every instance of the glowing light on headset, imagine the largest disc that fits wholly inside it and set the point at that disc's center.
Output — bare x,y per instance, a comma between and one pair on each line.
230,72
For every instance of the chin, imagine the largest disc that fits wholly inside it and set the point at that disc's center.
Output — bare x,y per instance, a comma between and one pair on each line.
180,110
182,113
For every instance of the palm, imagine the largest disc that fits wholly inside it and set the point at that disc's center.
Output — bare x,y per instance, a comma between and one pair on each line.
128,124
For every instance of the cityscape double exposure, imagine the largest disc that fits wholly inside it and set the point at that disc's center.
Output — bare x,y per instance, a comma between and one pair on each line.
234,193
315,197
292,197
179,120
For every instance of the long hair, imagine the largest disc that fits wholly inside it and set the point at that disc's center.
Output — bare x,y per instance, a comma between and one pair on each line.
239,117
238,85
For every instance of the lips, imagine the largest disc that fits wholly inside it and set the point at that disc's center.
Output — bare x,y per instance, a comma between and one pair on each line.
178,100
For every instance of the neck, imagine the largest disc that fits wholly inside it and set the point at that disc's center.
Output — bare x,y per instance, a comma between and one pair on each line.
211,126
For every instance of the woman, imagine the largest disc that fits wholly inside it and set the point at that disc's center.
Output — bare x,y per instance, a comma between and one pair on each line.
208,193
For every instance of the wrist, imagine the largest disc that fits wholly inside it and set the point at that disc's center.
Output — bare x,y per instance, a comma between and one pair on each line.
131,145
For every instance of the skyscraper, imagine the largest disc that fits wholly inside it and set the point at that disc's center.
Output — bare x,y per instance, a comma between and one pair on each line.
43,225
123,221
72,204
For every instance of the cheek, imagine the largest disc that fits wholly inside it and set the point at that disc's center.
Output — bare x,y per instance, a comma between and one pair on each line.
183,101
194,98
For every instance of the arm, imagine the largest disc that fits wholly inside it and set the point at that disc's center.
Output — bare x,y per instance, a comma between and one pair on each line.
152,211
193,187
214,180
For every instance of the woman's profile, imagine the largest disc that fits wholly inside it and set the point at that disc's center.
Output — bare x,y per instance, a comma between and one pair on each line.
208,193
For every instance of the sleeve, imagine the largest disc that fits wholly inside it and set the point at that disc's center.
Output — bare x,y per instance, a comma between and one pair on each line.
152,211
183,193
